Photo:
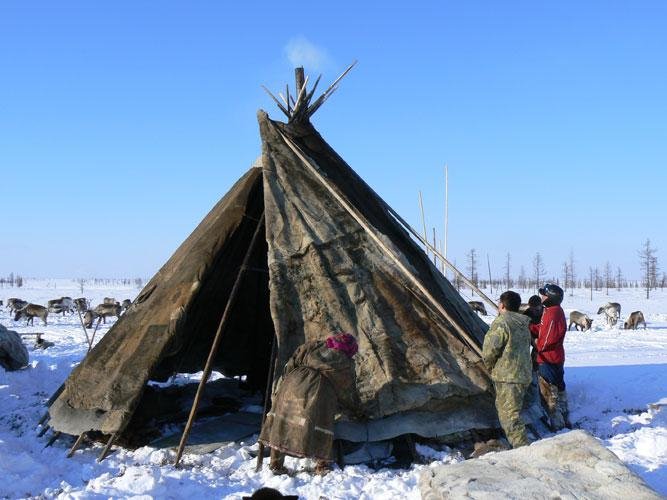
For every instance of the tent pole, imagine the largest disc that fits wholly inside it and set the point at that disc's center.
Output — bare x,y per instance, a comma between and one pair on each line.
106,449
55,436
43,419
92,338
390,253
44,430
421,209
451,266
267,397
85,332
76,445
216,340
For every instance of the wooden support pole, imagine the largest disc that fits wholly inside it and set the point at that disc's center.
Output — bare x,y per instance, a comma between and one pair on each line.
464,336
92,338
422,240
299,79
76,445
217,339
309,96
44,418
300,99
421,210
282,108
107,448
332,88
267,398
444,250
53,439
85,332
451,266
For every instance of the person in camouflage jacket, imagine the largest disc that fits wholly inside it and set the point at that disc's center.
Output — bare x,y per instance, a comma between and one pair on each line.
318,380
506,354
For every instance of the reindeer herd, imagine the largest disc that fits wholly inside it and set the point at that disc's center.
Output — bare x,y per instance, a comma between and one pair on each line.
66,305
612,313
581,321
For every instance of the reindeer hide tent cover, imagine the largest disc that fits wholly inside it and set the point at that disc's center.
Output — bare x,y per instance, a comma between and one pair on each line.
317,271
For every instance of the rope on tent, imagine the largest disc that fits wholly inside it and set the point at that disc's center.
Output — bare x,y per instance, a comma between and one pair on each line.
392,255
217,339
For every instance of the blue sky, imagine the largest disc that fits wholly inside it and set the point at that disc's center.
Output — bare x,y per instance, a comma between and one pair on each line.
121,124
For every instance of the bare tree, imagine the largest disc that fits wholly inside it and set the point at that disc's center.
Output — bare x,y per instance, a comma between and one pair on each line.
619,278
590,271
538,269
573,275
566,275
472,266
654,272
522,278
608,277
508,279
647,262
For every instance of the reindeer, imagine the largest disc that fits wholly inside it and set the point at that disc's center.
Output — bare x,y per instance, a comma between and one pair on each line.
63,305
81,304
30,311
101,311
15,304
612,311
580,320
634,320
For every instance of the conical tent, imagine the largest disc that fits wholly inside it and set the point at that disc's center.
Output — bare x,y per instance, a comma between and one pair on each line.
332,257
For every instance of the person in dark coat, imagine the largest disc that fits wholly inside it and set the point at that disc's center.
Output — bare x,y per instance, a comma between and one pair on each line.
535,310
317,381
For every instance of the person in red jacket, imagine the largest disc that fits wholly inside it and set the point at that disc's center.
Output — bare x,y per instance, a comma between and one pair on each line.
549,335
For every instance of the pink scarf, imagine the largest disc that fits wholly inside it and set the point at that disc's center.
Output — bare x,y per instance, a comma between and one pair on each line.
343,342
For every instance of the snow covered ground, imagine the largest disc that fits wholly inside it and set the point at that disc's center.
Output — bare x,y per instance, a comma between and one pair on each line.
616,383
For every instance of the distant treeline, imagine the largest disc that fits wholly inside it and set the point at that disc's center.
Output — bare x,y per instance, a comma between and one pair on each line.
12,281
16,280
603,277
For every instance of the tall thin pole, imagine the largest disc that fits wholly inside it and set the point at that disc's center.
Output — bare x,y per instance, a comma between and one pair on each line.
208,368
488,263
421,208
435,245
444,249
